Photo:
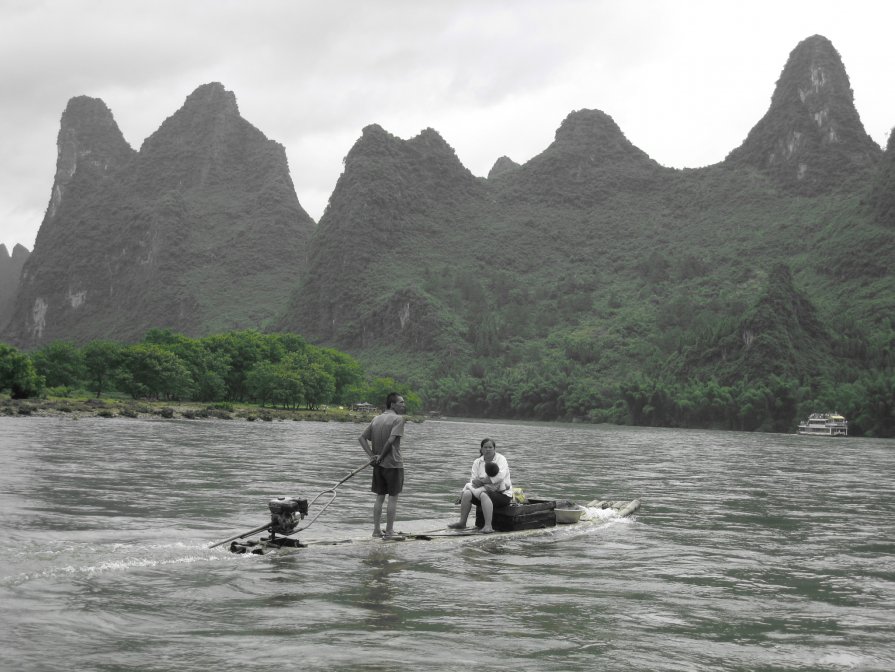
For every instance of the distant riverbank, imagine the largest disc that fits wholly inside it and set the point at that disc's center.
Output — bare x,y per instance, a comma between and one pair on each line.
127,408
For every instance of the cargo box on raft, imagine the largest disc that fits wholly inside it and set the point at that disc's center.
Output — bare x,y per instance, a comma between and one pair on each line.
533,515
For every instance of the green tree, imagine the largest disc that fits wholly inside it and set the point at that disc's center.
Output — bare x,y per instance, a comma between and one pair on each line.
60,363
208,369
282,384
319,385
285,343
101,360
782,403
750,403
260,383
345,370
243,350
876,417
18,375
149,370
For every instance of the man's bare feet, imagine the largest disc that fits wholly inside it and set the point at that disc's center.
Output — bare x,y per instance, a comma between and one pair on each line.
457,526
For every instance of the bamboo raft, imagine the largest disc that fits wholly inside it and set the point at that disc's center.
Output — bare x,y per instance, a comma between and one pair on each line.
515,520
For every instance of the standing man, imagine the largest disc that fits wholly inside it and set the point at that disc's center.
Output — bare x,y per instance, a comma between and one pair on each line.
385,434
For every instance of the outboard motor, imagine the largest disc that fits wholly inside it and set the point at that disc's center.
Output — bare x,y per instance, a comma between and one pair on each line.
282,514
283,521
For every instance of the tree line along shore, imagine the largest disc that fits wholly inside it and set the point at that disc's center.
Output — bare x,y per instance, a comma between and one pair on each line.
240,374
83,407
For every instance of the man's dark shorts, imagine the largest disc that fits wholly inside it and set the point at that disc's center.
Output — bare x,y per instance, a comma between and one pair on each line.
499,499
387,481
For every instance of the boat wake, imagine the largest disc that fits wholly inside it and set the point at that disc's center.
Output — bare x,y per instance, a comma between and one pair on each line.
594,514
75,560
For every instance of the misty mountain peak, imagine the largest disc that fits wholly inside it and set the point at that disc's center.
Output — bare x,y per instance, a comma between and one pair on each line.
19,252
589,160
89,129
596,132
204,115
502,166
374,133
212,97
207,143
89,143
375,140
10,277
429,141
582,127
811,136
426,153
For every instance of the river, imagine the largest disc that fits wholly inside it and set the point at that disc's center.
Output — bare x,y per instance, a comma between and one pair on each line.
750,551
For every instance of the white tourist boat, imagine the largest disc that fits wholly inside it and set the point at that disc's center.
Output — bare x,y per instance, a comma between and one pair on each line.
824,424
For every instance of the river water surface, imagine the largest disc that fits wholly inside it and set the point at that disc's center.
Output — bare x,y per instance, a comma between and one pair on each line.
750,552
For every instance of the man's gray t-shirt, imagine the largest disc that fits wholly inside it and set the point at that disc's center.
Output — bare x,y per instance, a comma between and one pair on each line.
386,425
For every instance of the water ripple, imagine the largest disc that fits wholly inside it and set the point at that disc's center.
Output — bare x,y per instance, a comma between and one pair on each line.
751,551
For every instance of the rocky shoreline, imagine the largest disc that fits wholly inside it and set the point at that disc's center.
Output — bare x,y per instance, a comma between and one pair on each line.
114,408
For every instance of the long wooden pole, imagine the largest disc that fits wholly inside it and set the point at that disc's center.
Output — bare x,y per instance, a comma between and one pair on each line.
240,536
360,468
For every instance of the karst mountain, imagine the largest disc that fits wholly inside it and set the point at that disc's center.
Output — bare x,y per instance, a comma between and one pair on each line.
590,261
200,230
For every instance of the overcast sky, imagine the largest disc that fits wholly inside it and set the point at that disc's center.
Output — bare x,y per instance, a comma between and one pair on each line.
684,79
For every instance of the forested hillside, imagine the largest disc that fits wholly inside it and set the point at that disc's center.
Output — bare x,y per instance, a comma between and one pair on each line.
592,283
589,283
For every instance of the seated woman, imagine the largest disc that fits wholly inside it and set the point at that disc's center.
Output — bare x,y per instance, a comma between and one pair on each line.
487,492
